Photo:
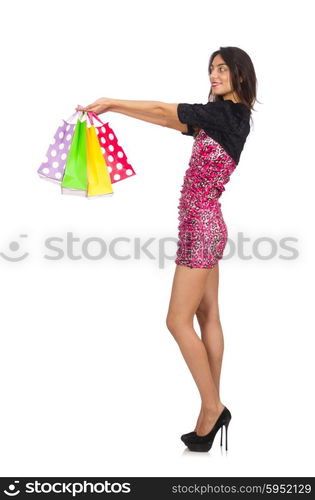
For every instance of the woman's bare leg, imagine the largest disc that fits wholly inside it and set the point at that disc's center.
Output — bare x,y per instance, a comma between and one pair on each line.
189,286
211,330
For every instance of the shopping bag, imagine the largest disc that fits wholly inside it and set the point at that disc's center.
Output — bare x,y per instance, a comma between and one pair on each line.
75,175
98,178
116,160
52,168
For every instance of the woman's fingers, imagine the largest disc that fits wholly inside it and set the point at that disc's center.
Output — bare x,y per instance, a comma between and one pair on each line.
99,106
90,107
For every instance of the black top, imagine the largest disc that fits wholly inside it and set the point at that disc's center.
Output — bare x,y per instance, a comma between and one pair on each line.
227,122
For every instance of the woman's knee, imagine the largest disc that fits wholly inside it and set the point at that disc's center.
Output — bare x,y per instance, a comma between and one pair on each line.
176,322
172,322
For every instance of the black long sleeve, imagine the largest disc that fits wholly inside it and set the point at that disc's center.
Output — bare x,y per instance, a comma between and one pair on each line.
226,122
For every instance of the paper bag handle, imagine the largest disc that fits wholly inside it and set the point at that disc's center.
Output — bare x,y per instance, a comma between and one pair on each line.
92,115
72,116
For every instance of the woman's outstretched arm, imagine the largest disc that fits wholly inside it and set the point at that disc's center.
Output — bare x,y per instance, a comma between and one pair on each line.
157,112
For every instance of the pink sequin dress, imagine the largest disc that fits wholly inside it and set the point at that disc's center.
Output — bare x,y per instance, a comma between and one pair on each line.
202,231
224,126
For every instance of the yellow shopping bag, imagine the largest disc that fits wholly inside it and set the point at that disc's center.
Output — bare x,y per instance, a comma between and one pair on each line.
98,178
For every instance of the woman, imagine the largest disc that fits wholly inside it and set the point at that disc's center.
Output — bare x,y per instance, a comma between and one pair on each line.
220,129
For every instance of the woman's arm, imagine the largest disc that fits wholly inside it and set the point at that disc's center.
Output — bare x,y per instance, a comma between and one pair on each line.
157,112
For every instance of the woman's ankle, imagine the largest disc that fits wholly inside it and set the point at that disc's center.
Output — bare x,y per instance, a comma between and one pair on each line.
212,408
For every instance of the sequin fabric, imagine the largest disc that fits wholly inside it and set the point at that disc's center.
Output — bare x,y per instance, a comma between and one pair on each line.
202,232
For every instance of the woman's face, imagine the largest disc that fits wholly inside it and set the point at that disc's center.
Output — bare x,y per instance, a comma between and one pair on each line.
220,78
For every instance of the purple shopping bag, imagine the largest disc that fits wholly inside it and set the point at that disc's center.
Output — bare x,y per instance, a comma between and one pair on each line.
53,166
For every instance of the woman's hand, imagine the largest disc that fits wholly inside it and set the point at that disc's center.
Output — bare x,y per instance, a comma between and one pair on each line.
98,107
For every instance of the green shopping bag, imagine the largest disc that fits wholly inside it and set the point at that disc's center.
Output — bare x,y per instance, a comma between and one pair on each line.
75,175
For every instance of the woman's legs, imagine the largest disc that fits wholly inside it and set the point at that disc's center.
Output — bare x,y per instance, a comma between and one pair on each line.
211,330
188,290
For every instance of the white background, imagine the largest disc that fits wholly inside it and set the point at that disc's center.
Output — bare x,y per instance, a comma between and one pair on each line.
92,382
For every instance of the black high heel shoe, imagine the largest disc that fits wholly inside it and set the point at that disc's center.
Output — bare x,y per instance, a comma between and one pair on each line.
186,437
204,443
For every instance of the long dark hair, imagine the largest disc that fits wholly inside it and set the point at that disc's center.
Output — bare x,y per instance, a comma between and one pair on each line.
241,67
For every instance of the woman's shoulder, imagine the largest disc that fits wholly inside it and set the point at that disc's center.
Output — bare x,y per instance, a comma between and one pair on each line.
229,107
229,102
239,106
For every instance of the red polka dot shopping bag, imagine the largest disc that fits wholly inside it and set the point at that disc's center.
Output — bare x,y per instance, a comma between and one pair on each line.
85,160
116,160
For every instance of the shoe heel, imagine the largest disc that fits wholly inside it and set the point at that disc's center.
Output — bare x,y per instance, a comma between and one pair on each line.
226,435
